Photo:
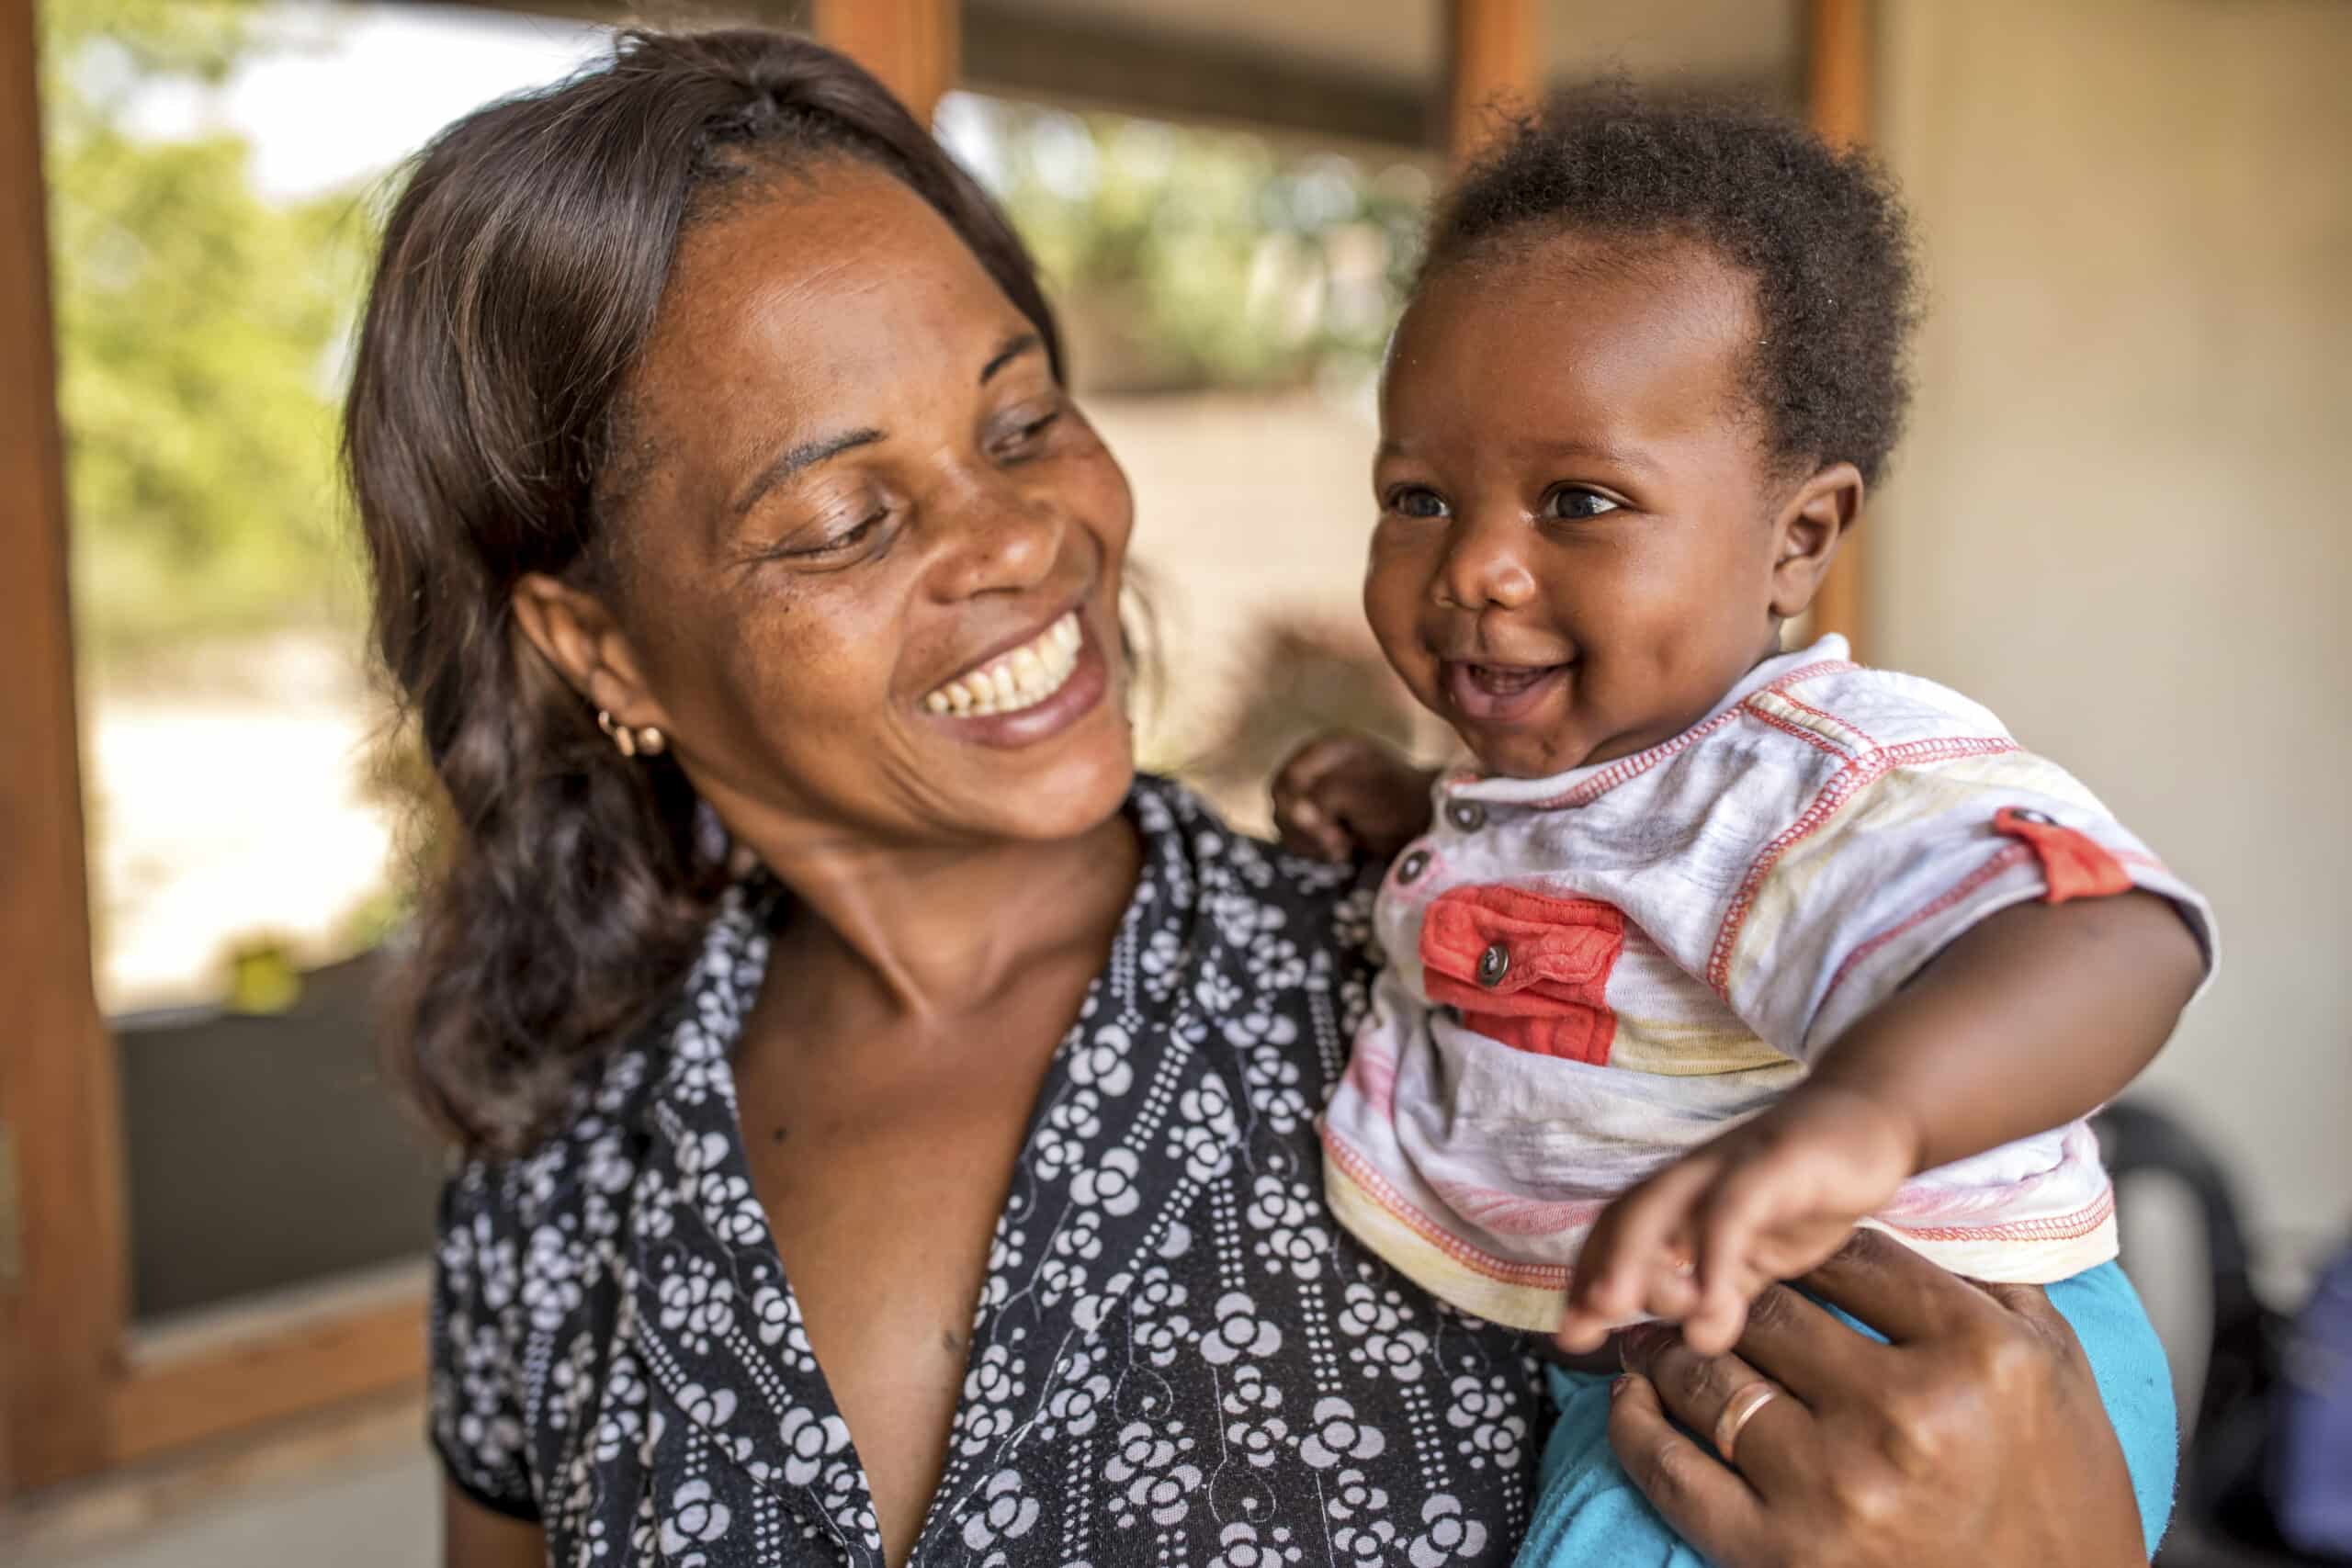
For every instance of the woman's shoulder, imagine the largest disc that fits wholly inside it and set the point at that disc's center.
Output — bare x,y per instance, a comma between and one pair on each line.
1253,890
1275,950
590,1151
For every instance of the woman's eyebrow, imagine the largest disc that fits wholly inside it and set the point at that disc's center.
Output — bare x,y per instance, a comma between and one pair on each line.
791,460
1012,349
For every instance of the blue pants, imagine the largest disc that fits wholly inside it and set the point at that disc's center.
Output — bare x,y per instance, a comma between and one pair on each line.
1589,1515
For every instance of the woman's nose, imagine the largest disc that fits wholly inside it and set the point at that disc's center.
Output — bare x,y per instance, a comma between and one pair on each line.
1006,536
1484,567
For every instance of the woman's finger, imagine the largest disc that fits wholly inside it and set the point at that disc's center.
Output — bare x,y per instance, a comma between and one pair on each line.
1705,1501
2030,1303
1895,1291
1799,1346
1765,1427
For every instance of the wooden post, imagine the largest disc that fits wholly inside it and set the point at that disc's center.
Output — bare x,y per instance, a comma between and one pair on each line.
911,45
62,1264
1837,105
1494,59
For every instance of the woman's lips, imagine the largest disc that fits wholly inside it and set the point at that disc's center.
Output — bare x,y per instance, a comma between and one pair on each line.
1499,694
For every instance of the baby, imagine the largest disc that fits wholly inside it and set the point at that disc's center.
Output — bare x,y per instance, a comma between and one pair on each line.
1720,951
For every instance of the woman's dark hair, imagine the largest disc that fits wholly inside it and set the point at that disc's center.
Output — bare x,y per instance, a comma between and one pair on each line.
1822,232
522,269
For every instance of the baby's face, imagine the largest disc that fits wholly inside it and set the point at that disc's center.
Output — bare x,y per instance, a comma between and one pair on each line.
1577,549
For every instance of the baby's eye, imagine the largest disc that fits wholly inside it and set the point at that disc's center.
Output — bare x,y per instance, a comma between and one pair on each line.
1573,503
1412,500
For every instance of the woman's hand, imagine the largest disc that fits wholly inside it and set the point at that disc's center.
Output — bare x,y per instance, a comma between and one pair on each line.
1346,797
1975,1437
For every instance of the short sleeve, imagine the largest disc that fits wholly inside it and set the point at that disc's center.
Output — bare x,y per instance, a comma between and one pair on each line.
1846,905
475,1368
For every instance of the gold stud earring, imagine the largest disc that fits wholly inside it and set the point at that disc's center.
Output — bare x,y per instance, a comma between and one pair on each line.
624,738
652,741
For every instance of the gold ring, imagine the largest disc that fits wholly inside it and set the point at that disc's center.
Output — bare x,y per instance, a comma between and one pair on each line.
1738,1411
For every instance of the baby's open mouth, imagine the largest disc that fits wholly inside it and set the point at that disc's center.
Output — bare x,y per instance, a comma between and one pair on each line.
1499,693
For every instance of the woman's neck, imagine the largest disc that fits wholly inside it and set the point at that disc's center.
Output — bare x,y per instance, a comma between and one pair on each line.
931,932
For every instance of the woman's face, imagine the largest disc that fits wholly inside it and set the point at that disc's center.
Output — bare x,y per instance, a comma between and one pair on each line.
869,551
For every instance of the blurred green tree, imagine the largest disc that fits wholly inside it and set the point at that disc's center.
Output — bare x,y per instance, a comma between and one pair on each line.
1188,257
198,327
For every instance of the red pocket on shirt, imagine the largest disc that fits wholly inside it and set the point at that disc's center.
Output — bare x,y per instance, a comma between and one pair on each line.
1546,993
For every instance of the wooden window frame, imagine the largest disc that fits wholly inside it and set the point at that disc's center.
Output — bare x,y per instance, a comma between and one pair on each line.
78,1393
1837,72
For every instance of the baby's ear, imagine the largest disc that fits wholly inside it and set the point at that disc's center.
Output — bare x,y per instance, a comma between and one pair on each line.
1806,534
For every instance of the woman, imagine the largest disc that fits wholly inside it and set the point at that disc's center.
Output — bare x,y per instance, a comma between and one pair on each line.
727,507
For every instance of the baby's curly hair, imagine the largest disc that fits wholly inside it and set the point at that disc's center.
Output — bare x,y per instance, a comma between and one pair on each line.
1821,231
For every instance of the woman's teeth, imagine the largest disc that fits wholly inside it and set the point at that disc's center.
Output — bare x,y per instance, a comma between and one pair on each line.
1022,679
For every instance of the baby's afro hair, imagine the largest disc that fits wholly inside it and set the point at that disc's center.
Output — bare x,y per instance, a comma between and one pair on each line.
1821,231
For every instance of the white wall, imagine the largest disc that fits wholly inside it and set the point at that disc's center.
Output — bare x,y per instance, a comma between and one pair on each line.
2122,517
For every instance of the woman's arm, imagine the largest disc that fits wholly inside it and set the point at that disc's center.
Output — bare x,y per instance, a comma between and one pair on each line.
1977,1435
473,1536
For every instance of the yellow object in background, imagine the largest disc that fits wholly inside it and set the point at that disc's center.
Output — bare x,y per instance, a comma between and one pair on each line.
262,977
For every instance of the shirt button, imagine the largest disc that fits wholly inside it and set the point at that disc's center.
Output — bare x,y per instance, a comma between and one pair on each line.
1409,869
2027,814
1493,964
1466,814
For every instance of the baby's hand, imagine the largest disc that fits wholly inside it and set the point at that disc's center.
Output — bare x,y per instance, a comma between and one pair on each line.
1767,1200
1342,795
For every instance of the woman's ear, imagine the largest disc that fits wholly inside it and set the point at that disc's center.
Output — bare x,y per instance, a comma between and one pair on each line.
576,634
1805,536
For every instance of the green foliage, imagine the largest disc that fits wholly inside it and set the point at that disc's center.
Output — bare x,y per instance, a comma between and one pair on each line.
1194,257
197,328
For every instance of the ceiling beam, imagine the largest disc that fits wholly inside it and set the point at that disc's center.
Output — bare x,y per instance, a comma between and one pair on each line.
1018,53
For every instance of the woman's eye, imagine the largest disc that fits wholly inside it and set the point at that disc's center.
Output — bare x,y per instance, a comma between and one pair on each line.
1412,500
1573,503
836,543
1026,436
858,534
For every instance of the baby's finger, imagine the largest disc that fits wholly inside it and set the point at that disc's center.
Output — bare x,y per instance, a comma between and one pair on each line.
1321,843
1613,1272
1307,830
1312,762
1672,1293
1786,1250
1715,1324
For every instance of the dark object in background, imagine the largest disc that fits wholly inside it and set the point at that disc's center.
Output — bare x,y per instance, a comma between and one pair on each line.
2227,1511
2310,1469
264,1150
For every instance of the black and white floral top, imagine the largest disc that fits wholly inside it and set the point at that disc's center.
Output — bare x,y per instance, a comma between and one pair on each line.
1177,1359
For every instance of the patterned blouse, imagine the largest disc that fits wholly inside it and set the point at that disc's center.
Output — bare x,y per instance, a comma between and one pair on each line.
1176,1359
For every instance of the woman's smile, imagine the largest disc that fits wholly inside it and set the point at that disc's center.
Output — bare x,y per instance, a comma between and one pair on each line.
1030,693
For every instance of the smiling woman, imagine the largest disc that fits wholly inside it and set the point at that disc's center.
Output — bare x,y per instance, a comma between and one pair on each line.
945,1188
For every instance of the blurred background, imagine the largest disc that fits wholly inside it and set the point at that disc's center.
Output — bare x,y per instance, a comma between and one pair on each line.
2119,521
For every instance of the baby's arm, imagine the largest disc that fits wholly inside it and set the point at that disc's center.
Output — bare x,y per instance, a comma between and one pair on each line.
2033,1017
